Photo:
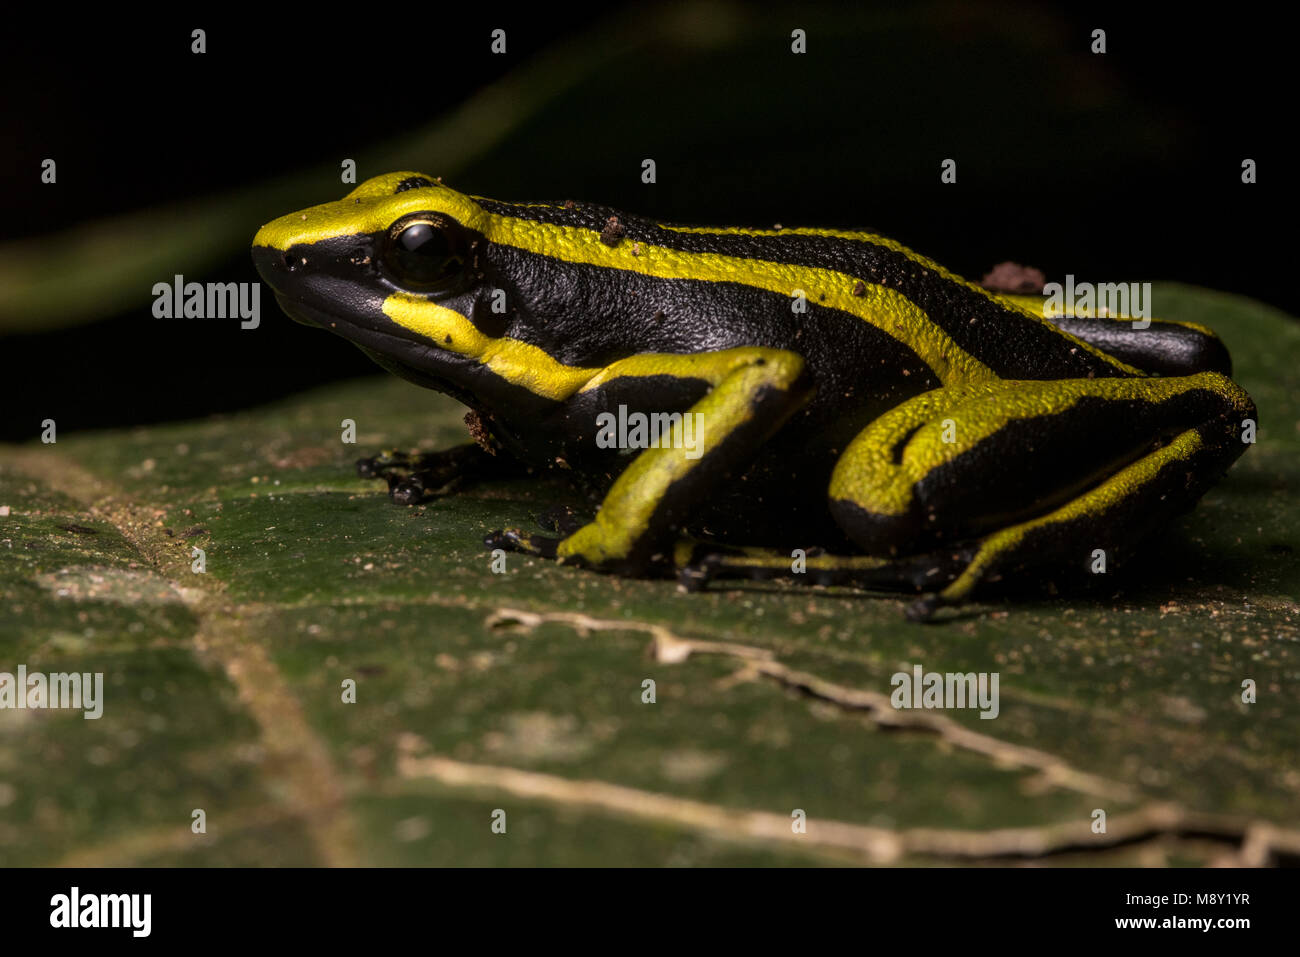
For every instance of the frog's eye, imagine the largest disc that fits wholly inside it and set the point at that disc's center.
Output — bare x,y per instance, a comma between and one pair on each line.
425,251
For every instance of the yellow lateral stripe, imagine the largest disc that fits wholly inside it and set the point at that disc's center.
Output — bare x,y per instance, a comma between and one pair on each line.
536,370
887,310
1012,302
710,367
867,475
517,362
1120,486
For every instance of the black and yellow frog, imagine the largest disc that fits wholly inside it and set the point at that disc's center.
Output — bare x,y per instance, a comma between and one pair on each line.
860,408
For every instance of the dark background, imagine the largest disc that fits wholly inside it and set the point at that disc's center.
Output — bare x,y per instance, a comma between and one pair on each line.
1140,181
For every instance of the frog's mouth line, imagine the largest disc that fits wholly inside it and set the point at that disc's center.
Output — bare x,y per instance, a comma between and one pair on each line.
401,351
298,313
355,317
398,352
399,346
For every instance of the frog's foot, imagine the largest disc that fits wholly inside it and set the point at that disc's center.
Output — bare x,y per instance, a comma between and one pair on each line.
699,563
415,477
517,540
582,550
557,518
562,519
384,464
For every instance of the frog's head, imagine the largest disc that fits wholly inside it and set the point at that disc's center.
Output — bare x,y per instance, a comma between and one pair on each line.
391,267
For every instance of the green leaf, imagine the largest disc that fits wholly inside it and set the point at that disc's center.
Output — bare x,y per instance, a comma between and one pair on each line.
522,692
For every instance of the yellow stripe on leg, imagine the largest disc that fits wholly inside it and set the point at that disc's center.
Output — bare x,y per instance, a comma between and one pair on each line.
626,512
1108,494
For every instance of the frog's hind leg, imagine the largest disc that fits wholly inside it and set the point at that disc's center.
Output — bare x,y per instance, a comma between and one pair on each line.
1028,481
1158,346
1095,531
1045,478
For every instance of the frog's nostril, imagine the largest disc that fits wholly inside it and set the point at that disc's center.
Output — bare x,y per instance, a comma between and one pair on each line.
270,262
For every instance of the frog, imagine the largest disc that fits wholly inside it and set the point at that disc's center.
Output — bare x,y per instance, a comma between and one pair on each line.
835,408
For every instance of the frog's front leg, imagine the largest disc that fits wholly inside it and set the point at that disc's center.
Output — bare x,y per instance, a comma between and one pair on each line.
751,393
412,478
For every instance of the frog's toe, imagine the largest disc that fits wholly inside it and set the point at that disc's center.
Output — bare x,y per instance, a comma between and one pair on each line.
406,489
382,465
923,608
517,540
695,574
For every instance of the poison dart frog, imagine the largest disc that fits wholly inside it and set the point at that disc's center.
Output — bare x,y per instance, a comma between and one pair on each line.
860,414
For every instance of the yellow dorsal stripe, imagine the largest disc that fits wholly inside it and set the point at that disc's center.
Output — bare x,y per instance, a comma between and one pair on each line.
887,310
373,206
1020,304
370,208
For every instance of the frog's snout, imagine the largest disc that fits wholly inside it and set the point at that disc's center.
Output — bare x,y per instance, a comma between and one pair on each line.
271,264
